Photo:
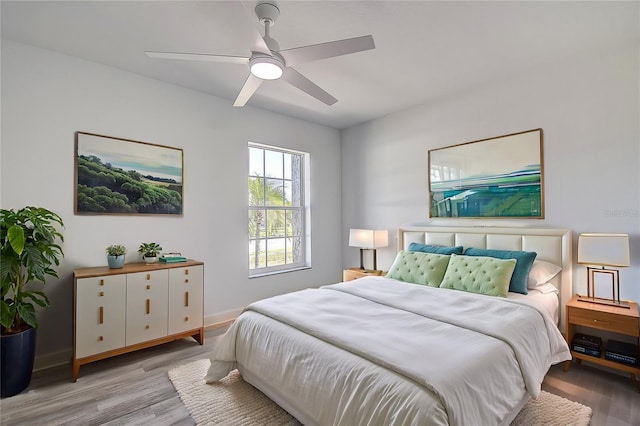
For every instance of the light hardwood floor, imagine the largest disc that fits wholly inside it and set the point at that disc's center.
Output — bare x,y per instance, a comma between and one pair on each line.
133,389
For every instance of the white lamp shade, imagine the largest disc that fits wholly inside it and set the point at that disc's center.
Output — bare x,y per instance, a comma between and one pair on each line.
604,249
368,238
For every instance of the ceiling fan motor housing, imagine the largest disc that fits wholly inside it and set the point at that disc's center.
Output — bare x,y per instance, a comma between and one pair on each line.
267,13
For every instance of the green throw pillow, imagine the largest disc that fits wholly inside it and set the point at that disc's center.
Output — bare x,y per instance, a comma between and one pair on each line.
524,261
479,274
419,268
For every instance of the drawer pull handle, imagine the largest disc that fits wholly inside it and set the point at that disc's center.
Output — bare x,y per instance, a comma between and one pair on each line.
148,277
186,298
186,280
148,306
186,272
148,287
101,315
100,338
600,321
186,318
102,293
146,327
101,282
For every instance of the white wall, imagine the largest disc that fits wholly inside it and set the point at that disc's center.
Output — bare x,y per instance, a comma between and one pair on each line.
46,97
588,108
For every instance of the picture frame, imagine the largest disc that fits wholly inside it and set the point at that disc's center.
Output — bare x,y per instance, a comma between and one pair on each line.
498,177
117,176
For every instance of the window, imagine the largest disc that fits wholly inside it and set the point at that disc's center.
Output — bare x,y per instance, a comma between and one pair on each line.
277,210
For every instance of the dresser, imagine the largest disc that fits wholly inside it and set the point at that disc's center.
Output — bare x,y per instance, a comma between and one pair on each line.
117,311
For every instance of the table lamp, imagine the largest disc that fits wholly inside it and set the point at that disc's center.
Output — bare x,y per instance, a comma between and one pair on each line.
604,250
368,239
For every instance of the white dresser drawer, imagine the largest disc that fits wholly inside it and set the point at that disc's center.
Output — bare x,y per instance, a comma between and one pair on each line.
186,298
147,296
100,306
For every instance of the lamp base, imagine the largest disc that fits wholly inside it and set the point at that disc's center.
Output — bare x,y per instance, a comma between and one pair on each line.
601,301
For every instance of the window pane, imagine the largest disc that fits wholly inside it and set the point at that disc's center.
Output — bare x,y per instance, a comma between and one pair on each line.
273,164
256,217
275,223
287,166
256,163
275,252
287,193
257,254
274,192
256,191
288,220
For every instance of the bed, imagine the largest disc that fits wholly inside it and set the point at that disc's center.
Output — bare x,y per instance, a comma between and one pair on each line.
384,351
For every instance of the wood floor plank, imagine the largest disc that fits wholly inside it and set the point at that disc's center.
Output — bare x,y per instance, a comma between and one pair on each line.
134,389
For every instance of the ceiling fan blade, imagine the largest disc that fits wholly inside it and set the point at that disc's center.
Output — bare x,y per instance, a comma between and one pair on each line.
301,82
257,42
249,88
198,57
314,52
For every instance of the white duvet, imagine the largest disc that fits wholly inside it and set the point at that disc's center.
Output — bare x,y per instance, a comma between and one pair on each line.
380,351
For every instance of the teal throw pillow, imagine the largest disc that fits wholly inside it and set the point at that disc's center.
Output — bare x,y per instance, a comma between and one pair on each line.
428,248
419,268
478,274
524,260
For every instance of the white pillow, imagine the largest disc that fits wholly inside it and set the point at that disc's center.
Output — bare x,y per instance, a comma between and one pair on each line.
541,272
547,288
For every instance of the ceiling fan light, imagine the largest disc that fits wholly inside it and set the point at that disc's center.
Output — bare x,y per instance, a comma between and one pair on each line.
266,68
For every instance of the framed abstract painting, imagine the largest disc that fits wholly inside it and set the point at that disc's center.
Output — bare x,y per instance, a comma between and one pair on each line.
499,177
126,177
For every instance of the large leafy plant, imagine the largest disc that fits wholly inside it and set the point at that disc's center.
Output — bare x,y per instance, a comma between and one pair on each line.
29,249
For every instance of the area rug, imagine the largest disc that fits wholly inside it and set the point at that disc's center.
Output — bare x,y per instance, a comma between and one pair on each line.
232,401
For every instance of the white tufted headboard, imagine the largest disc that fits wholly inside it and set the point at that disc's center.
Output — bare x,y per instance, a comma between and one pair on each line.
551,244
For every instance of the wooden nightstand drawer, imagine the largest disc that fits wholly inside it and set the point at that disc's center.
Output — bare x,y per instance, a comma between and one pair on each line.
604,321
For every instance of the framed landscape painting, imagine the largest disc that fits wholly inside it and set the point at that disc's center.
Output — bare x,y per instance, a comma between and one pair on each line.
490,178
126,177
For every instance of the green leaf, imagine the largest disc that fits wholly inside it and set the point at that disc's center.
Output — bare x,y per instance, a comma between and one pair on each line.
7,314
15,233
28,314
38,297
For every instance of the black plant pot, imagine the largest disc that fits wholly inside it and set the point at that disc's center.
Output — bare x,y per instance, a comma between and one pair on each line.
18,352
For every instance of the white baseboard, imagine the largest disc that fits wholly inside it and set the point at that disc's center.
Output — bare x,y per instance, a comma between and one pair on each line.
52,360
221,317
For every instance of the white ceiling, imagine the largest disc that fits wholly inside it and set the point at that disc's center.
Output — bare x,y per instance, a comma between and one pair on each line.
425,50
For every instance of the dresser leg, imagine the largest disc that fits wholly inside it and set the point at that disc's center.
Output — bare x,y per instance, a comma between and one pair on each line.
199,336
76,370
567,364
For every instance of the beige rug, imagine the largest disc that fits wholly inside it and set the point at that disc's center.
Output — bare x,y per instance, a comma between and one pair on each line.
235,402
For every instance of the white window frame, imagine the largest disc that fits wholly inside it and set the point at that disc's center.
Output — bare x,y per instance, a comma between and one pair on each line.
304,208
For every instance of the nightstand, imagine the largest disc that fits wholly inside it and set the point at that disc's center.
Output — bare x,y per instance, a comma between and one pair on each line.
611,319
355,273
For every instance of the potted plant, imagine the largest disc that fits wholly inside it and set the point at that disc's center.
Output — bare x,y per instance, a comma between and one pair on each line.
115,255
28,251
150,252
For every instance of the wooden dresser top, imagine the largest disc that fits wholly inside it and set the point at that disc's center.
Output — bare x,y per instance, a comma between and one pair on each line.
98,271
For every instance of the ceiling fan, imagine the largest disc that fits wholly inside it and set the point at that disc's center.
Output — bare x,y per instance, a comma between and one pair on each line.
268,62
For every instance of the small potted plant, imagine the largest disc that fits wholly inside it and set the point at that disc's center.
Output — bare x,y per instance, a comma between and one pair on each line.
150,252
115,255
